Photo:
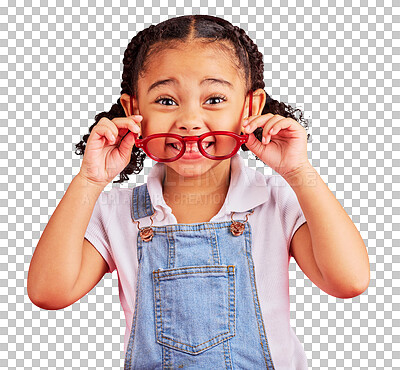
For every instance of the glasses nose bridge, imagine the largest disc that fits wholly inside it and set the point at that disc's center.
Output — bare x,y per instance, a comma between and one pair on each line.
191,138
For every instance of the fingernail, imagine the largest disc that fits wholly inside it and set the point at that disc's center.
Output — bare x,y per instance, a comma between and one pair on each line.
264,140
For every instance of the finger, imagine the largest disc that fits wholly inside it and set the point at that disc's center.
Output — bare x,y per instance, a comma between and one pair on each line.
130,123
107,132
117,127
246,120
273,122
135,117
126,145
273,128
258,121
287,123
107,128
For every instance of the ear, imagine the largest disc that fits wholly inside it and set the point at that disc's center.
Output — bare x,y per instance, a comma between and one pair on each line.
126,104
259,99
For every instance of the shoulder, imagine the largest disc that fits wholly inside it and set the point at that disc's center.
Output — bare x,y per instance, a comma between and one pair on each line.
284,202
115,195
279,190
114,198
112,208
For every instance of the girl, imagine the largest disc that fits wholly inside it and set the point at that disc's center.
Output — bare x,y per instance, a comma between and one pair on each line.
202,250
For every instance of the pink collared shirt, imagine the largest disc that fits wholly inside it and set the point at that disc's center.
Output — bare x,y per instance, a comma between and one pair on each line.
277,215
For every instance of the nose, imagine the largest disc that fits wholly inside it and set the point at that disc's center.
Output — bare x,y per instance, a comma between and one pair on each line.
190,121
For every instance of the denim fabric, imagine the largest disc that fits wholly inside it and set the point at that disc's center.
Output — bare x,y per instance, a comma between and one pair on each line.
196,298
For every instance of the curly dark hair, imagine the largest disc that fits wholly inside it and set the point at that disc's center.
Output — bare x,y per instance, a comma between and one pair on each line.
177,30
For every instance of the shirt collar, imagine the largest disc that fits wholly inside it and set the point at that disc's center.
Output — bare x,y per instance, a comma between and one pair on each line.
247,189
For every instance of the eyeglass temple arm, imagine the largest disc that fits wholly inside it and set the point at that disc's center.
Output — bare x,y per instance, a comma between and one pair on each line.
131,101
251,103
250,106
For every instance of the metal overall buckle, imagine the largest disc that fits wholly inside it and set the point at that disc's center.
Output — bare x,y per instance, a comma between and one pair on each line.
146,233
237,227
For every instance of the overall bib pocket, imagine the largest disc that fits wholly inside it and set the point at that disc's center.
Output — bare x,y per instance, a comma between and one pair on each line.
194,306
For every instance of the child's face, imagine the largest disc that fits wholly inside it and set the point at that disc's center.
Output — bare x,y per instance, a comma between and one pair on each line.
190,103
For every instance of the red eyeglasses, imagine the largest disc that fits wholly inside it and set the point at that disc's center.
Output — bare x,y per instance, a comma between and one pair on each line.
216,145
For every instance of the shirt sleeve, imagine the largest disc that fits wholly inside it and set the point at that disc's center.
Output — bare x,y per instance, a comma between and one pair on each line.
97,231
292,214
299,221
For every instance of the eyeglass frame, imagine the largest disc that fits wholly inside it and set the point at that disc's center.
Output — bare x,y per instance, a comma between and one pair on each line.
240,139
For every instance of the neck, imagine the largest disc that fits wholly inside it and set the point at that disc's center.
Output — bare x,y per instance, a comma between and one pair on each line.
206,189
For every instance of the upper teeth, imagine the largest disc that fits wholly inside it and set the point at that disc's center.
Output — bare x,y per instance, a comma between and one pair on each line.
192,146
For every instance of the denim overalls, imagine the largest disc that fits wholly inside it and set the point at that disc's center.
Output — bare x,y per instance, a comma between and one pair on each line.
196,298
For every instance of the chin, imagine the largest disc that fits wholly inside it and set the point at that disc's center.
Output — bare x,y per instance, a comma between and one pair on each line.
193,169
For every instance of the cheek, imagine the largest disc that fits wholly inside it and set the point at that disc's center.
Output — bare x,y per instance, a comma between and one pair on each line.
153,125
231,122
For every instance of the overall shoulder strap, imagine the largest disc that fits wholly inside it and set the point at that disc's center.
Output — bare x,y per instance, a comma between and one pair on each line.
141,203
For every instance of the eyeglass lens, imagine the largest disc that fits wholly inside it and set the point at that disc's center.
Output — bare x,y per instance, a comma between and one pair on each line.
218,145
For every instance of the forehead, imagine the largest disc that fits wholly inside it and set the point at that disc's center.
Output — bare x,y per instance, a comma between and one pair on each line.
193,60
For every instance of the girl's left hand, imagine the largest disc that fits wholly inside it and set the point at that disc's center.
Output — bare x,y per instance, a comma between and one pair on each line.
285,142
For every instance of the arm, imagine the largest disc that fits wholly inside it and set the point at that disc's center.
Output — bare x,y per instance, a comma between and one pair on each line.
328,247
61,251
65,266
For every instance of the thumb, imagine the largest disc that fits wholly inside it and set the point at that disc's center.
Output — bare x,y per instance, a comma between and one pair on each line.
254,144
126,145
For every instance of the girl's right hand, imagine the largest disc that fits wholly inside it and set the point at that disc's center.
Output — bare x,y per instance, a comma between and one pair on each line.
105,154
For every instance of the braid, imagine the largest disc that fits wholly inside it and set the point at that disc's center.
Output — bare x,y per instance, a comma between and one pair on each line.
255,59
133,59
257,82
130,66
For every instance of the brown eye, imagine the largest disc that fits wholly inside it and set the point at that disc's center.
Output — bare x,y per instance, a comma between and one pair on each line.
164,100
221,99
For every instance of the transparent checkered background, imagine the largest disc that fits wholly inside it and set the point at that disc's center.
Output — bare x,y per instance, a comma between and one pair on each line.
61,65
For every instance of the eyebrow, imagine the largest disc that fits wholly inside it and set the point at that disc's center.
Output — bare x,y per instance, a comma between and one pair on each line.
173,81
